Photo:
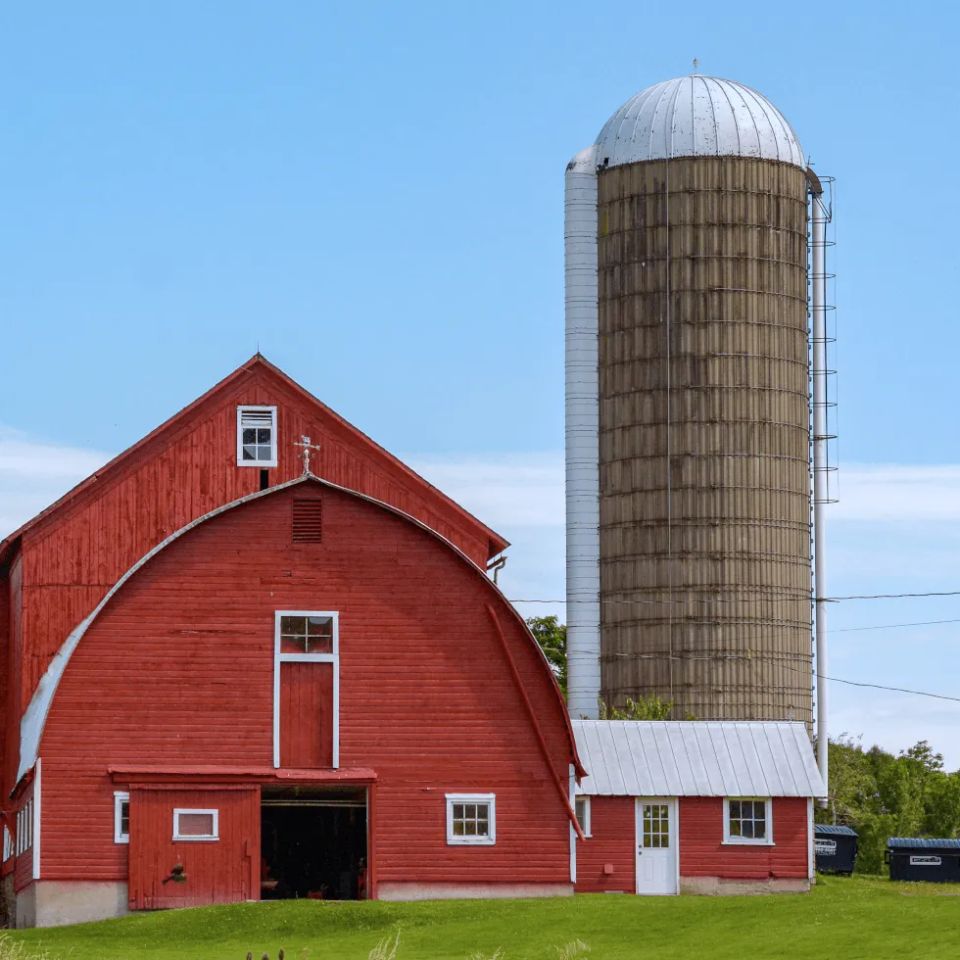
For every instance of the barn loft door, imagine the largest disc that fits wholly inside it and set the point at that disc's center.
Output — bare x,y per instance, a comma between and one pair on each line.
306,712
193,846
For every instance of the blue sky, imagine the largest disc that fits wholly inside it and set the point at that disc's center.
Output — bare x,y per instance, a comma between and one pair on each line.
372,194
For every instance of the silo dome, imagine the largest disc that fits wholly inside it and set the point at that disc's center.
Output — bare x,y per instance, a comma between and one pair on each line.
697,116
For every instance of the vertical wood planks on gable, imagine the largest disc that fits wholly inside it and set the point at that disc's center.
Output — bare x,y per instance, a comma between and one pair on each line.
306,715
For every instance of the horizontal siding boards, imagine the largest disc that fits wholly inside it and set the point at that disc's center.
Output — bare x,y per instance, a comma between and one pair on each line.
612,840
73,557
704,437
703,853
226,870
178,669
14,657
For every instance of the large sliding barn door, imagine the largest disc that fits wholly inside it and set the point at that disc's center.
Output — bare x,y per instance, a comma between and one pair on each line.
193,846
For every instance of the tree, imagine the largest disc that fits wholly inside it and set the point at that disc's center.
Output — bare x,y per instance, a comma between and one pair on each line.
552,637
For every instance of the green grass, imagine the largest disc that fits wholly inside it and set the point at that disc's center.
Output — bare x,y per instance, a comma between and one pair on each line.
842,918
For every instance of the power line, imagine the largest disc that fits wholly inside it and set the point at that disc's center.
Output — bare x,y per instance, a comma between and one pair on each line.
770,596
891,626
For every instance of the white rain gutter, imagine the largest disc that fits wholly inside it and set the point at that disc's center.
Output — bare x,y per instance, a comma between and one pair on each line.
819,218
582,436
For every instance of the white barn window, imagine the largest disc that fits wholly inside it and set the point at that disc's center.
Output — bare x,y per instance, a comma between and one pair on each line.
121,817
256,436
7,845
582,810
471,818
748,820
190,824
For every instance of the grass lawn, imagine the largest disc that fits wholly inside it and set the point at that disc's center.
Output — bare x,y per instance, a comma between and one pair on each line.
843,919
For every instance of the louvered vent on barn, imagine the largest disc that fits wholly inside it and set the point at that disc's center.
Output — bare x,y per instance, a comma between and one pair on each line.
307,521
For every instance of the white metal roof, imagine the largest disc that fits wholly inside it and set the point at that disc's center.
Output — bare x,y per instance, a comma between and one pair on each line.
696,758
697,116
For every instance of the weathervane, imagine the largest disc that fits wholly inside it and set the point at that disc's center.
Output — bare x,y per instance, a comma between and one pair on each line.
696,65
307,447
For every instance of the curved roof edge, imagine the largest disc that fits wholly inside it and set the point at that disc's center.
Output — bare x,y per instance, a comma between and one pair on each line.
34,719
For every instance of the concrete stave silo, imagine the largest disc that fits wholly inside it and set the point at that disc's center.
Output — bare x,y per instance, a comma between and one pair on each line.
696,524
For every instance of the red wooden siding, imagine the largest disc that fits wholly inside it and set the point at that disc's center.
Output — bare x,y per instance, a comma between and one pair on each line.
178,669
306,715
186,468
613,834
703,853
219,871
14,656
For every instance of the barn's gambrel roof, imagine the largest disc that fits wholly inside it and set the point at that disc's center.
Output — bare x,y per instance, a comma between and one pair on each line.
88,489
34,719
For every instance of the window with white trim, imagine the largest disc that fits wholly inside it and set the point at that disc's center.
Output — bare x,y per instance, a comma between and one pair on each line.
7,845
471,818
192,824
24,838
256,436
747,820
121,817
581,807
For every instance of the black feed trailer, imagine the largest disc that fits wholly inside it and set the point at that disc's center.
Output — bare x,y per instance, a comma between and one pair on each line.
923,858
835,848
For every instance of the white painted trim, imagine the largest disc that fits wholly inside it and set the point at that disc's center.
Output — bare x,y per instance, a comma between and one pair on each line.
264,464
204,838
37,801
331,658
35,717
491,800
811,848
674,804
120,797
572,780
767,841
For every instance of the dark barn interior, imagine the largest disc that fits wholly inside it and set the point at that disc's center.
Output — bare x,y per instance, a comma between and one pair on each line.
313,845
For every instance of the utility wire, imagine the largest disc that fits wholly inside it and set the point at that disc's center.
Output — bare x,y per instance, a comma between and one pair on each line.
771,596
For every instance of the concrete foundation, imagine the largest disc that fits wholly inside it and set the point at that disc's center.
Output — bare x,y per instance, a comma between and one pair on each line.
724,886
470,891
56,903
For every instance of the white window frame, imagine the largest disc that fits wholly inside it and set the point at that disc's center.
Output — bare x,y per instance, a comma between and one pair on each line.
256,408
120,797
767,841
7,845
488,798
332,658
194,838
586,824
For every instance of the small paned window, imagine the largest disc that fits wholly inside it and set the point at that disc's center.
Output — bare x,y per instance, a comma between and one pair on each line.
471,818
24,839
7,845
306,634
656,825
121,817
196,824
747,820
257,436
582,809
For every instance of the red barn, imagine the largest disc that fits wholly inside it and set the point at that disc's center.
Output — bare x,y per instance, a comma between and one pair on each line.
231,672
695,807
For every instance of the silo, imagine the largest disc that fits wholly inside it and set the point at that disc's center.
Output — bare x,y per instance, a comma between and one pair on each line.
689,558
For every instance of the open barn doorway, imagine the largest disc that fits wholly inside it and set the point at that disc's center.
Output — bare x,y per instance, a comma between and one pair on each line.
313,844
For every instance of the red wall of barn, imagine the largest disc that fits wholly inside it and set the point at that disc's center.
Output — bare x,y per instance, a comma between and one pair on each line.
187,469
178,669
23,863
703,853
611,843
14,655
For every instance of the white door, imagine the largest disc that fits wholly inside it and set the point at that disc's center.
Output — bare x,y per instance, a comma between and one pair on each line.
656,845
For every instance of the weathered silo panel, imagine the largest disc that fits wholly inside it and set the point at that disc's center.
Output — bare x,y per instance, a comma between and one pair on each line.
705,577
